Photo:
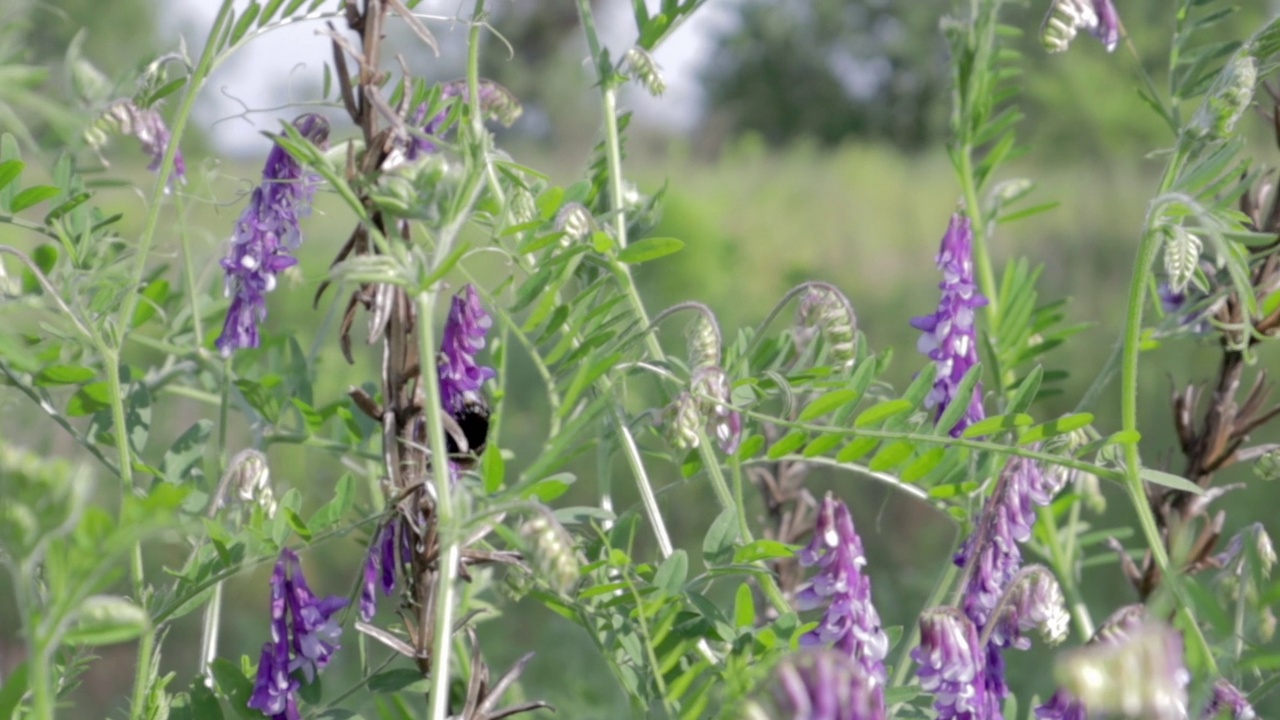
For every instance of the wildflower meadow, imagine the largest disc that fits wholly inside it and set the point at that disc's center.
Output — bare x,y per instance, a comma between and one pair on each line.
467,462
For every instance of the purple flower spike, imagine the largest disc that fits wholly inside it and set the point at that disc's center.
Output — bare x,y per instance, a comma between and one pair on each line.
1228,702
951,665
1108,28
851,623
1062,707
387,545
273,693
315,632
368,589
950,338
827,685
148,126
460,377
265,234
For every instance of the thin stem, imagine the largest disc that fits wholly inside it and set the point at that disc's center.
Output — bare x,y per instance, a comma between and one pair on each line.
38,679
1062,567
146,647
1148,246
446,523
194,84
981,255
632,453
901,663
188,269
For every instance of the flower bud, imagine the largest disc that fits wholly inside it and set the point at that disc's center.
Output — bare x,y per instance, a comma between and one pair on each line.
1230,96
827,313
553,550
682,421
524,208
704,343
249,477
575,221
641,66
1142,676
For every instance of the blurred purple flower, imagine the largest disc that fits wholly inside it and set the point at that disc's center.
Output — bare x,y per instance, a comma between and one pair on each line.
950,337
495,101
303,635
379,568
1140,676
265,233
952,665
1107,30
464,332
724,424
1228,702
992,550
821,684
851,623
148,126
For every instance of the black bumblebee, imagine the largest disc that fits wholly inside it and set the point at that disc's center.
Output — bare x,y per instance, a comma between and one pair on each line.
471,423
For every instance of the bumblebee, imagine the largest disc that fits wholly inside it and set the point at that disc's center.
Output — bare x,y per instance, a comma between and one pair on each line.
471,424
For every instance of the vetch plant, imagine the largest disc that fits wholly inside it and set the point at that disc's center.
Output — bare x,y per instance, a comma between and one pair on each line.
474,414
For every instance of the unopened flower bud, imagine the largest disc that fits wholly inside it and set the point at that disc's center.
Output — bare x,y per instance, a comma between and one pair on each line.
1033,601
1064,20
710,386
574,220
704,343
249,477
827,313
1267,467
1266,625
524,208
641,66
1230,96
682,421
1142,676
553,550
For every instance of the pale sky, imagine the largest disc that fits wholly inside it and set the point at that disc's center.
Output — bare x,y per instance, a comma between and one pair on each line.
284,67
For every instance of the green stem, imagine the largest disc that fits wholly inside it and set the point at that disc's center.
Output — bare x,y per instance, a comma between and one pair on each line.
901,662
982,257
188,269
146,647
1148,246
647,497
446,523
194,84
38,678
1062,567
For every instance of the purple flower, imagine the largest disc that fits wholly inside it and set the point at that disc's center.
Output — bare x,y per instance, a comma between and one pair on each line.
460,377
1062,707
851,623
495,101
303,635
265,233
379,565
724,424
1107,29
992,557
148,126
1032,601
1141,675
952,665
1228,702
821,684
950,337
273,693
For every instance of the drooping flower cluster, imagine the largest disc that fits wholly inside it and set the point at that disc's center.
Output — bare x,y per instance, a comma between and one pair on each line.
380,566
495,101
145,124
951,665
1067,17
850,623
950,336
821,684
1228,702
265,234
825,312
1001,600
304,636
461,378
706,405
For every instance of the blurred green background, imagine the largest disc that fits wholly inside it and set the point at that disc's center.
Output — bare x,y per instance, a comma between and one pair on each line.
813,149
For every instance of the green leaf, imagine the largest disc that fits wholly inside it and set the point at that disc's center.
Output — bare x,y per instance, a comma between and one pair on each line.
246,20
963,392
1053,428
1170,480
493,468
153,297
720,537
762,550
107,620
856,449
787,444
64,375
11,693
649,249
744,608
996,423
33,196
180,461
398,679
750,447
891,456
826,403
9,170
549,488
296,523
235,686
882,411
89,400
671,574
923,465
